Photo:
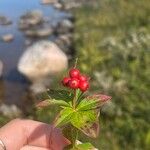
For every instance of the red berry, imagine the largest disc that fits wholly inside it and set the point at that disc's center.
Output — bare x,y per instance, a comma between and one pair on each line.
74,73
82,78
74,83
65,81
83,85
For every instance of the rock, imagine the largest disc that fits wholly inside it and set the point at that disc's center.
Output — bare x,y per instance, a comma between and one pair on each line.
1,68
23,25
11,111
70,17
46,19
42,59
64,26
66,38
40,85
39,32
64,41
69,4
5,21
28,42
58,5
49,1
30,18
34,24
7,37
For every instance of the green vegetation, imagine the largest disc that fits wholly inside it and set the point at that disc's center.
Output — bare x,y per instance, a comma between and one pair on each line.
112,40
3,120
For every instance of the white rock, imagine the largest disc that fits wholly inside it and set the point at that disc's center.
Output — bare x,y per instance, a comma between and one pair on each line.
58,5
42,59
49,1
7,37
10,111
1,68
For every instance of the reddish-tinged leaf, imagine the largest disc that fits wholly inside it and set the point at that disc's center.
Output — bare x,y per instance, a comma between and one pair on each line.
49,102
88,123
43,104
104,98
100,98
91,130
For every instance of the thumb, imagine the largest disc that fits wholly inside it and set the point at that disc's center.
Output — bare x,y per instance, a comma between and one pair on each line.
57,140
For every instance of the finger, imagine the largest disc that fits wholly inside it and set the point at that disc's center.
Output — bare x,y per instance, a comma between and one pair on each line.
19,132
27,147
60,143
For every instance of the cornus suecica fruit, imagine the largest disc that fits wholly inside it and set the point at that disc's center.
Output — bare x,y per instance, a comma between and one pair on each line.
83,86
76,80
65,81
83,78
74,73
74,83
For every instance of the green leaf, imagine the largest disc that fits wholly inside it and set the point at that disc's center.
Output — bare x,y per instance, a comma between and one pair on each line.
78,94
87,104
84,146
51,102
60,95
64,117
87,122
80,118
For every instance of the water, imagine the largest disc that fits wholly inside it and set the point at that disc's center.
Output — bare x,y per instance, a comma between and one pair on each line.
13,87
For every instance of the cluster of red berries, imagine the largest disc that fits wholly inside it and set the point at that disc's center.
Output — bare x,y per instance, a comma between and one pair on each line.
76,80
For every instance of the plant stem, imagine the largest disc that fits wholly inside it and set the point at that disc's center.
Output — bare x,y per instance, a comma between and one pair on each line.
80,96
74,137
74,100
74,130
76,61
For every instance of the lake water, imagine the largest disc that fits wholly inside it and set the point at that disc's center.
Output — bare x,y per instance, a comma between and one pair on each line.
13,86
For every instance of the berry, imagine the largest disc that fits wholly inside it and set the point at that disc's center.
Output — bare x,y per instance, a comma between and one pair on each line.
65,81
82,78
74,73
83,85
74,83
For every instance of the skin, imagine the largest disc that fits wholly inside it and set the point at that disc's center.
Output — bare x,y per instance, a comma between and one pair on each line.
31,135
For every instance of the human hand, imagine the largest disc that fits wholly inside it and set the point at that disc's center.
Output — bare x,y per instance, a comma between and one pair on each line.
31,135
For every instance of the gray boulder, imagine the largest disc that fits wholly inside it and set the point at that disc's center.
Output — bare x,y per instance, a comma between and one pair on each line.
10,111
64,41
43,31
64,26
31,18
5,21
34,24
41,60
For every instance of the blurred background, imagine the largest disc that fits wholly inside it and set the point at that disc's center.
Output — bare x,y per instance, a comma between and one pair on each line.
40,39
